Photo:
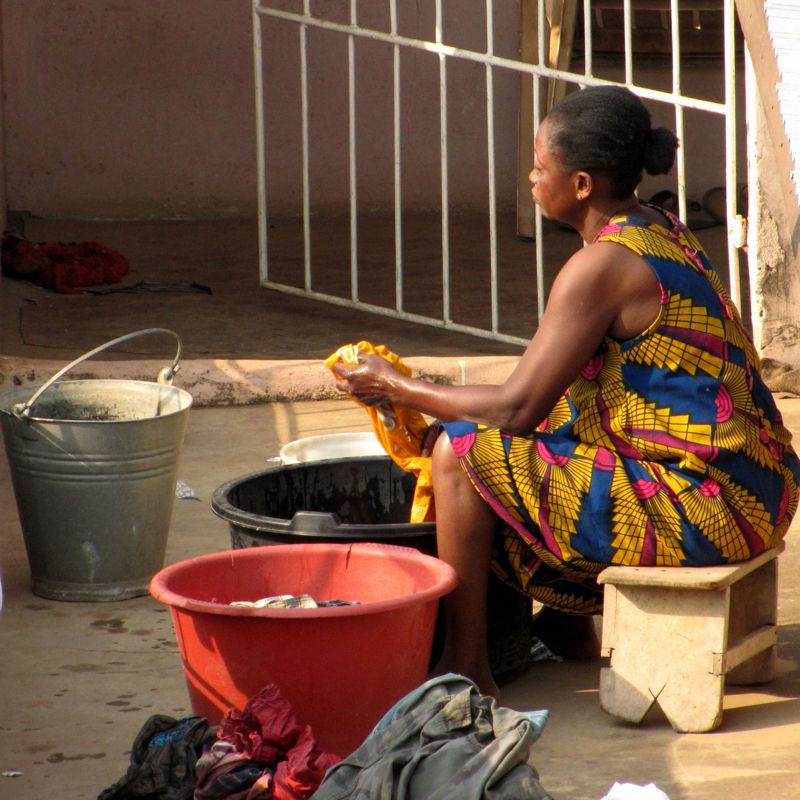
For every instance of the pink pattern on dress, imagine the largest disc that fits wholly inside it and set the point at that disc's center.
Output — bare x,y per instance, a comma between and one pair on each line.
605,460
593,368
783,507
754,542
709,488
550,458
462,444
724,404
700,340
644,490
544,516
609,230
647,558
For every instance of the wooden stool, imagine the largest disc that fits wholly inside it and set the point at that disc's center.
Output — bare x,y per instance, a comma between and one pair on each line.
674,633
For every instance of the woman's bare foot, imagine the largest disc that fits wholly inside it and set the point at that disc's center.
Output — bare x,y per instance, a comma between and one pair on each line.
567,635
479,673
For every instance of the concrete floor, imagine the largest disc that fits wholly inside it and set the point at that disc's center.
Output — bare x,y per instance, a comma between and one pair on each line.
79,679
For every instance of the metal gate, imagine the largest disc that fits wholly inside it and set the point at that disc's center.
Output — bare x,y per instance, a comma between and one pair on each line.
559,42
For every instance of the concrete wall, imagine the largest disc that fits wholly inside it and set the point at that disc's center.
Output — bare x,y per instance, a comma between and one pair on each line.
774,224
144,109
129,108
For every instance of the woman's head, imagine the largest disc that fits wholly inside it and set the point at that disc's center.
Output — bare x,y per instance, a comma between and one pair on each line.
606,129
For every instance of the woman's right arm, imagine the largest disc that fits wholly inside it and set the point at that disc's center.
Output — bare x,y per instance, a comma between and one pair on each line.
583,305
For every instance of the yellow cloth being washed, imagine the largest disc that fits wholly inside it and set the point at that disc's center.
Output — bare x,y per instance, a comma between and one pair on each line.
399,429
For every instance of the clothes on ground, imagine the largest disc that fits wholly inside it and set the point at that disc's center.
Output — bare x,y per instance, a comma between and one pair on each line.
258,753
163,759
541,652
399,429
443,741
223,773
266,732
667,449
64,267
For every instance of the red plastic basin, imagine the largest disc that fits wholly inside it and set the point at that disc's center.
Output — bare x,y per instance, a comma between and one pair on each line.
341,668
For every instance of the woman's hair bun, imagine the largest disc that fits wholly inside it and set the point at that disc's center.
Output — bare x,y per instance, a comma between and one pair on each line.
659,151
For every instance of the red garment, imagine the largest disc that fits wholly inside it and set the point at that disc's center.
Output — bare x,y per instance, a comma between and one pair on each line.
266,731
63,267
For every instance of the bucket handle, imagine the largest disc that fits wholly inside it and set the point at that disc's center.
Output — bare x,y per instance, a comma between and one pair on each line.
165,375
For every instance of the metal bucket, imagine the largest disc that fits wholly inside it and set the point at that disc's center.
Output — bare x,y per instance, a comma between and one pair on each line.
94,467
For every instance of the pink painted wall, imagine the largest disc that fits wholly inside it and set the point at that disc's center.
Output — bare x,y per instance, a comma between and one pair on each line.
145,109
129,108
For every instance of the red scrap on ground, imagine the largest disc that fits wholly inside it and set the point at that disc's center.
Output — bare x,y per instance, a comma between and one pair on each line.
66,268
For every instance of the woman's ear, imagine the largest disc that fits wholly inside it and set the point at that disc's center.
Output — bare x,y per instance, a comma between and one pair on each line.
584,184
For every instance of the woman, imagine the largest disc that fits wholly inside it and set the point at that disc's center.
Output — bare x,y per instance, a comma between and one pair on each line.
635,429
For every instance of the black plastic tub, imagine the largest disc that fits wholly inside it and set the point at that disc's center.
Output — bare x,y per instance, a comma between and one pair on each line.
361,499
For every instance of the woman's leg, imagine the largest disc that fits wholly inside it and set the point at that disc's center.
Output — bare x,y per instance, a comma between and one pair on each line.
465,527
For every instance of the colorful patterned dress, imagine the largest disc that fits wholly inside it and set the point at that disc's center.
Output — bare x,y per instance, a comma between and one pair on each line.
666,450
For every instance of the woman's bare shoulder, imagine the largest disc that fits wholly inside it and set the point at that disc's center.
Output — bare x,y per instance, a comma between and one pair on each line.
601,261
609,282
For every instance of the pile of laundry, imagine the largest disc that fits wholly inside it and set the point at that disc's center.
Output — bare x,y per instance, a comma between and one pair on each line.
443,739
65,267
258,753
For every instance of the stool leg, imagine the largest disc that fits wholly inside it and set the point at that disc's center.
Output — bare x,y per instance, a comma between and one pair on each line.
661,650
754,602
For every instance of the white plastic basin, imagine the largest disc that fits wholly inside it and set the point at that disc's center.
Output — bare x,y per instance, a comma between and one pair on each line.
330,446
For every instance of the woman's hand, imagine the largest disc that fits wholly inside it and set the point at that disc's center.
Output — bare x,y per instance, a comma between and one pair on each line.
370,381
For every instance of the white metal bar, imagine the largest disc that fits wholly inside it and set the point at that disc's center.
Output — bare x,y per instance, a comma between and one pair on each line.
537,119
680,156
540,44
261,166
587,37
498,61
537,218
304,137
443,160
730,151
628,31
491,167
541,299
398,167
394,314
351,118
